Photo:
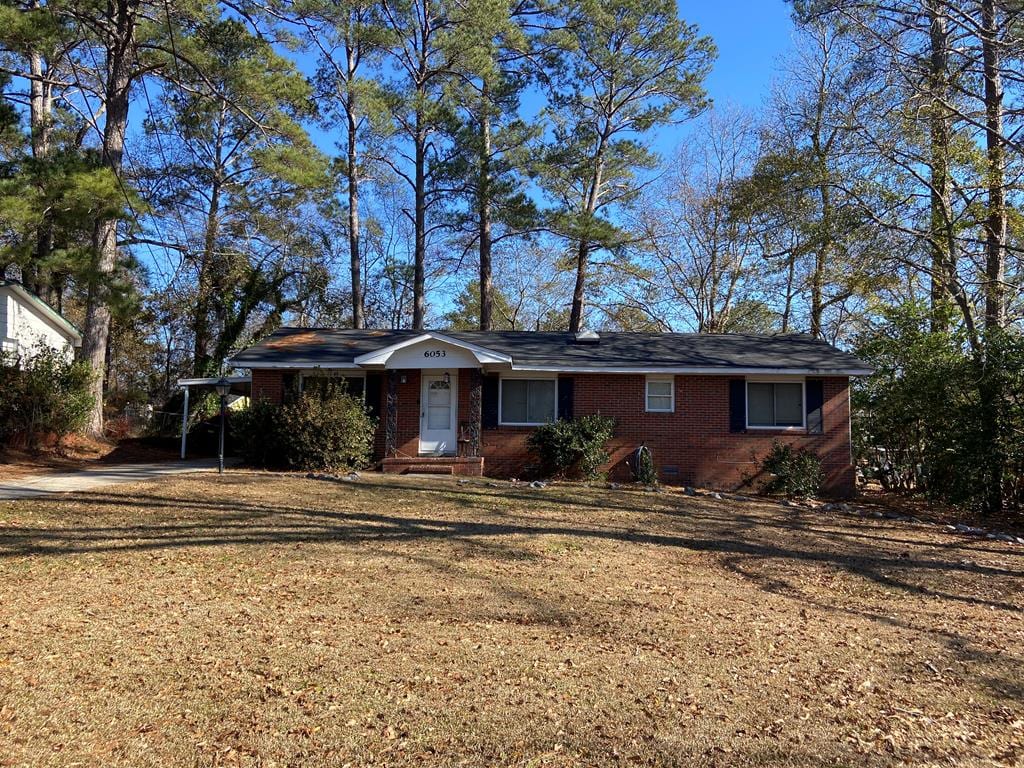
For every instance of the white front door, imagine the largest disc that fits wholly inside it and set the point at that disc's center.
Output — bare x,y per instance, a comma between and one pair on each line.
438,405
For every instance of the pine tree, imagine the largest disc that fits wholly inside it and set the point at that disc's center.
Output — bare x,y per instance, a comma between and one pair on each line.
629,66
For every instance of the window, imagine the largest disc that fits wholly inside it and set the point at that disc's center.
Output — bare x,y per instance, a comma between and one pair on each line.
320,381
527,401
660,395
775,404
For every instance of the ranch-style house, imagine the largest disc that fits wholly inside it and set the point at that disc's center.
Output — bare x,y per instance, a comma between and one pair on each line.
707,406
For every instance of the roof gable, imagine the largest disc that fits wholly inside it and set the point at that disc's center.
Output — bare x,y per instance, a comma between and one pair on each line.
431,349
44,310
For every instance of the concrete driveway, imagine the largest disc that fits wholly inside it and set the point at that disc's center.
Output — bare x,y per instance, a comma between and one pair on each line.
32,486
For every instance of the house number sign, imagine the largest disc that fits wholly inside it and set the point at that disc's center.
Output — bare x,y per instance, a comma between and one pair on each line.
435,353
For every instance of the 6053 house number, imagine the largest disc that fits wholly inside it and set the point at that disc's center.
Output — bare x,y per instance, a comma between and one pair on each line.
435,353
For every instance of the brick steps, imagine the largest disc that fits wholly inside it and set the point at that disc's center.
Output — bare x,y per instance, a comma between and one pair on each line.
434,465
430,469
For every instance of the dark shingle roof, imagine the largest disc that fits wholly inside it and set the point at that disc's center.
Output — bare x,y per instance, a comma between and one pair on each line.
316,347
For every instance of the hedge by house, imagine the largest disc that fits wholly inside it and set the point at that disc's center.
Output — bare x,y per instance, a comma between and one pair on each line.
324,430
45,396
573,447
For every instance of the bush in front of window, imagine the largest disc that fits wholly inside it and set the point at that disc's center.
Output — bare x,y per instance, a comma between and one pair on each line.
322,430
573,448
791,473
256,430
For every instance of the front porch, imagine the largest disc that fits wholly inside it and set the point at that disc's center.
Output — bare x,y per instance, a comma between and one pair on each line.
430,420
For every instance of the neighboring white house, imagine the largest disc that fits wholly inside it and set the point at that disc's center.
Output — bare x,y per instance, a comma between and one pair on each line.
26,322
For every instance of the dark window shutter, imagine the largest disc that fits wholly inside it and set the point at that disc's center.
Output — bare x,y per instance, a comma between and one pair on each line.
737,405
374,385
815,402
489,404
566,388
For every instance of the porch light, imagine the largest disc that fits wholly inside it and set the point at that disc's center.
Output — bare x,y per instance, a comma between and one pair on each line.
447,378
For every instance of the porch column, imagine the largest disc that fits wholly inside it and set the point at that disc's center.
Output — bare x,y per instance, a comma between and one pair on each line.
476,388
391,416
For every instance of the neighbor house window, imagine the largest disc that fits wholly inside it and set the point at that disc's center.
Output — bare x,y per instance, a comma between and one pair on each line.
775,404
319,382
527,401
660,395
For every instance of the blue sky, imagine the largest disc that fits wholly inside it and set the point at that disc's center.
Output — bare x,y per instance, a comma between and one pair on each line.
751,35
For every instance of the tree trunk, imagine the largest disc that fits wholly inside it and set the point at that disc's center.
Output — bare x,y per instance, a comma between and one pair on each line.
201,334
35,275
787,310
991,390
120,54
206,283
420,245
820,262
484,201
578,291
355,257
583,247
995,225
942,242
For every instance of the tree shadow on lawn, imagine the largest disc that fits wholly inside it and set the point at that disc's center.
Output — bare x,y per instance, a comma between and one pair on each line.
232,521
747,541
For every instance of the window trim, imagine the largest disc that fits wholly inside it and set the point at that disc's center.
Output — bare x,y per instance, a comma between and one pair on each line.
501,401
671,380
330,373
778,380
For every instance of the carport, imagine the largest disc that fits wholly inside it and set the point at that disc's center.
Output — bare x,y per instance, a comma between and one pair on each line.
237,385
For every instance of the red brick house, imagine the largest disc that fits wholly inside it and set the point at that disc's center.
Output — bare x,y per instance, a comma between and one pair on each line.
708,406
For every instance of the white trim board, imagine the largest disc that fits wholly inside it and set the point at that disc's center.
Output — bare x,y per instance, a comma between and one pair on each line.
703,371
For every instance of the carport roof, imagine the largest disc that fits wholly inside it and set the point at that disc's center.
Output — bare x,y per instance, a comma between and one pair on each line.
557,351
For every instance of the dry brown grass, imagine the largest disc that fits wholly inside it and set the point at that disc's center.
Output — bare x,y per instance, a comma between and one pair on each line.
272,620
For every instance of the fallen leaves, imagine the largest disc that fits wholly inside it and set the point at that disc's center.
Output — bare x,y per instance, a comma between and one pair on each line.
271,620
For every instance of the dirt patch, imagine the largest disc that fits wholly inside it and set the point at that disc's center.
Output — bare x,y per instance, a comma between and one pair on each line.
259,619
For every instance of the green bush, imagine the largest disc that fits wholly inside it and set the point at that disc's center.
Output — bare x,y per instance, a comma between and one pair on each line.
254,431
790,472
919,424
46,395
326,430
573,447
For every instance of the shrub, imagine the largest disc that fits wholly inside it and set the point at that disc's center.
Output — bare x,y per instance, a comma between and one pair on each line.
326,430
919,422
790,472
45,395
573,447
255,431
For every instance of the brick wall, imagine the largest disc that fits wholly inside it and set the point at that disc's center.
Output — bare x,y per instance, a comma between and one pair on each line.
268,385
408,437
691,446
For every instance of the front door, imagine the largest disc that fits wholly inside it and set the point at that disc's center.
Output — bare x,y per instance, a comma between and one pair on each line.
438,413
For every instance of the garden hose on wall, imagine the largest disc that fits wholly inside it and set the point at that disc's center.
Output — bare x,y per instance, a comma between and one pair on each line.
641,457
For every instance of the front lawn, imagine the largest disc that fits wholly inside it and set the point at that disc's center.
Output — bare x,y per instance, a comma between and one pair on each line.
272,620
